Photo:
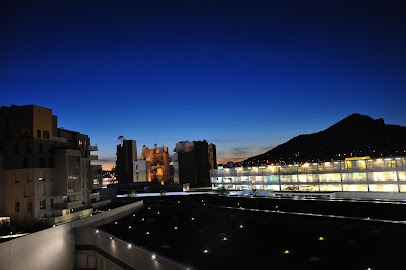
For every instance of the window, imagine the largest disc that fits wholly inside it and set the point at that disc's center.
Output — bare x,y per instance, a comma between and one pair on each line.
16,179
42,204
17,207
80,142
28,148
45,133
29,206
17,148
42,162
40,148
38,134
51,163
52,203
25,162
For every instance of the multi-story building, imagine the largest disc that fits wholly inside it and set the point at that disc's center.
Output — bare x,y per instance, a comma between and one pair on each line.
353,174
193,161
44,171
142,171
159,162
126,156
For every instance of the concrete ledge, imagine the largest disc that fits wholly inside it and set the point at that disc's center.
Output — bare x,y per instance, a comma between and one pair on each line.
370,195
54,248
119,252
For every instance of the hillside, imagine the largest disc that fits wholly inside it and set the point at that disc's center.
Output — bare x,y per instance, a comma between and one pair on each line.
355,135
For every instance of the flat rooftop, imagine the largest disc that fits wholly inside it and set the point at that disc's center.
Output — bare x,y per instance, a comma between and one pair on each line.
214,232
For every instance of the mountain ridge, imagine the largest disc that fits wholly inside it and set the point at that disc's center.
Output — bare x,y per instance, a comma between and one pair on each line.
355,135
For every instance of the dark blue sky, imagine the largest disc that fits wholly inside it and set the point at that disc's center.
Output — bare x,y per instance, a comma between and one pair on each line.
245,75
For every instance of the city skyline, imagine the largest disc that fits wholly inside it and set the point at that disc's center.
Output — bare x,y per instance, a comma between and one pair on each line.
244,76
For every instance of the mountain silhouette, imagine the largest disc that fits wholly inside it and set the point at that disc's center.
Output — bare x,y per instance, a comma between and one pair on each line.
355,135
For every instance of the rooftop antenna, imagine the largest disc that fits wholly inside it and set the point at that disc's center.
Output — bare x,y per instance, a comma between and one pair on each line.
120,139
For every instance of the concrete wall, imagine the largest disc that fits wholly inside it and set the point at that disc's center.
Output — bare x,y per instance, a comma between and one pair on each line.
370,195
122,252
54,248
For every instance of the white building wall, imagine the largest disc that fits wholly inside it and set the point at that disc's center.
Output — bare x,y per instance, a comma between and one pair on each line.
54,248
142,171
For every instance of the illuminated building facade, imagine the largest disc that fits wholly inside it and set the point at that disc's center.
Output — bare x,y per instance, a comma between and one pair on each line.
353,174
158,158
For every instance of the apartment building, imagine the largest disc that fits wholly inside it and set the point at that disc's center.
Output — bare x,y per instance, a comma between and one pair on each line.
45,171
158,157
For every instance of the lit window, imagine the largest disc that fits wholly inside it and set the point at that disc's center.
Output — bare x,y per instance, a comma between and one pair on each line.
42,204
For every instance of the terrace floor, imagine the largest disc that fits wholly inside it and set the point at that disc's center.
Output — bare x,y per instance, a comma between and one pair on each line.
238,236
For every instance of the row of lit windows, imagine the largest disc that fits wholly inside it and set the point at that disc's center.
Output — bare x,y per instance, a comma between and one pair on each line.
317,188
317,167
329,177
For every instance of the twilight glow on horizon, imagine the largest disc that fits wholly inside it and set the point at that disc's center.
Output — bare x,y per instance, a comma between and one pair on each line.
244,75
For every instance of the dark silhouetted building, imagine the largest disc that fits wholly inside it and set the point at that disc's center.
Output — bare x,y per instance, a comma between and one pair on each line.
126,157
193,162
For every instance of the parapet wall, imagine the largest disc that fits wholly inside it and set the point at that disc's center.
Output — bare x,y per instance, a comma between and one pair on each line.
370,195
96,248
54,248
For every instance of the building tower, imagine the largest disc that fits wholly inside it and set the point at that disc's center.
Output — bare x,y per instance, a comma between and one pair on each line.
126,157
193,161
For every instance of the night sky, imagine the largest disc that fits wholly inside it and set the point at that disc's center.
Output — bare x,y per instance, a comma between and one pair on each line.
244,75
